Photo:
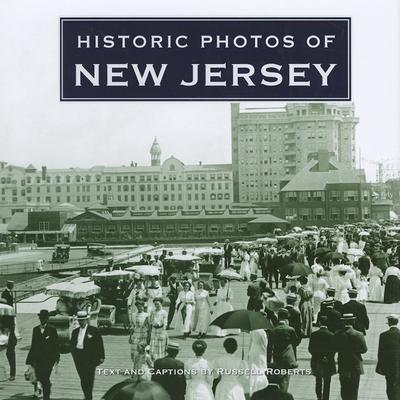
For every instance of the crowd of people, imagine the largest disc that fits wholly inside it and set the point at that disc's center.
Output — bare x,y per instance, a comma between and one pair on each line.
310,287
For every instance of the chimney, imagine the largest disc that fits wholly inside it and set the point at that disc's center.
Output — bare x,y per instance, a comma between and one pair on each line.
44,173
323,160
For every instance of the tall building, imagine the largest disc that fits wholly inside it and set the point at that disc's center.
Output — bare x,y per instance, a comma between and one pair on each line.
170,185
273,144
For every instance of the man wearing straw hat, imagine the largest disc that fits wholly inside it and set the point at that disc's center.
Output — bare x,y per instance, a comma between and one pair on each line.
349,344
44,352
87,350
389,357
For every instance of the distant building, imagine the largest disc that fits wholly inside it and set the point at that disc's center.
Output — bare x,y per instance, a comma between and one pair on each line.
326,192
168,185
102,225
272,144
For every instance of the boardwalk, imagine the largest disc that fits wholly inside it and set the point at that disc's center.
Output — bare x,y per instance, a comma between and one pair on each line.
66,383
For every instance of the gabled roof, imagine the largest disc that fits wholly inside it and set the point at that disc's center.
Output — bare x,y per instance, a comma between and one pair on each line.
309,178
18,222
268,219
91,215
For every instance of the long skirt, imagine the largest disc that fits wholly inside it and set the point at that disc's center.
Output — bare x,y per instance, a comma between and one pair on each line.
202,318
158,342
139,336
392,289
375,289
306,311
185,315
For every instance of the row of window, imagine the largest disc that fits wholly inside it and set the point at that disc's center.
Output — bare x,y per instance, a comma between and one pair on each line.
334,195
109,179
318,214
156,228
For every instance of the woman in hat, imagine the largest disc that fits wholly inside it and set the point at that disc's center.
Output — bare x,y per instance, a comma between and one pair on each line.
375,284
203,311
185,310
143,361
305,307
245,265
154,291
343,284
230,386
139,329
392,285
158,330
319,286
222,305
199,381
258,359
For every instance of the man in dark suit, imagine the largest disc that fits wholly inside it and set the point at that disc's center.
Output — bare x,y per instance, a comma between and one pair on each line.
359,311
174,383
322,349
227,253
9,322
274,390
349,344
334,321
294,316
44,352
389,357
172,294
330,294
7,294
87,350
282,341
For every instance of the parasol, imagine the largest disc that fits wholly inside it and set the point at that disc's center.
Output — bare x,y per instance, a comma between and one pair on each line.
355,252
183,257
111,275
363,233
242,319
230,275
296,269
73,290
267,240
5,309
131,389
146,270
321,251
208,251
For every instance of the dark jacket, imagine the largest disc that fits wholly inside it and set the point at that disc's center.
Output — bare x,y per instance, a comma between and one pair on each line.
8,297
282,341
359,310
334,322
44,348
295,320
174,384
271,392
350,344
389,353
322,349
93,348
227,249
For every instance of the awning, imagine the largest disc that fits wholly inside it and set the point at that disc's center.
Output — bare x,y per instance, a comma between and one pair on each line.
68,228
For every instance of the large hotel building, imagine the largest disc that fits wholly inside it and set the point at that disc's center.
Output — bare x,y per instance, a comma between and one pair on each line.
168,185
273,144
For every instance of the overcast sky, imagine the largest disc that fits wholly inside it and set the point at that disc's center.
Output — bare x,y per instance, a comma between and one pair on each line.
35,127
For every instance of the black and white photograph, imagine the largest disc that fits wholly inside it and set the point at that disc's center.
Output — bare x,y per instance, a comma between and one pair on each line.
200,200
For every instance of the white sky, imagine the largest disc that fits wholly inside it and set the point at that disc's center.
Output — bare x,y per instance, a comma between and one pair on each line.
35,127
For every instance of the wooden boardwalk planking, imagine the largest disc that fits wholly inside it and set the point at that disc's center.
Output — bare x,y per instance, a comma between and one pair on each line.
66,382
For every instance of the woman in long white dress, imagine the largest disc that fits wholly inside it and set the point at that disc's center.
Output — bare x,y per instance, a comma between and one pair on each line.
319,286
185,309
202,315
230,386
258,360
199,381
253,265
245,265
375,284
342,285
222,305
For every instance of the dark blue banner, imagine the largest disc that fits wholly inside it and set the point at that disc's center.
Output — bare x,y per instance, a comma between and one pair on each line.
205,59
